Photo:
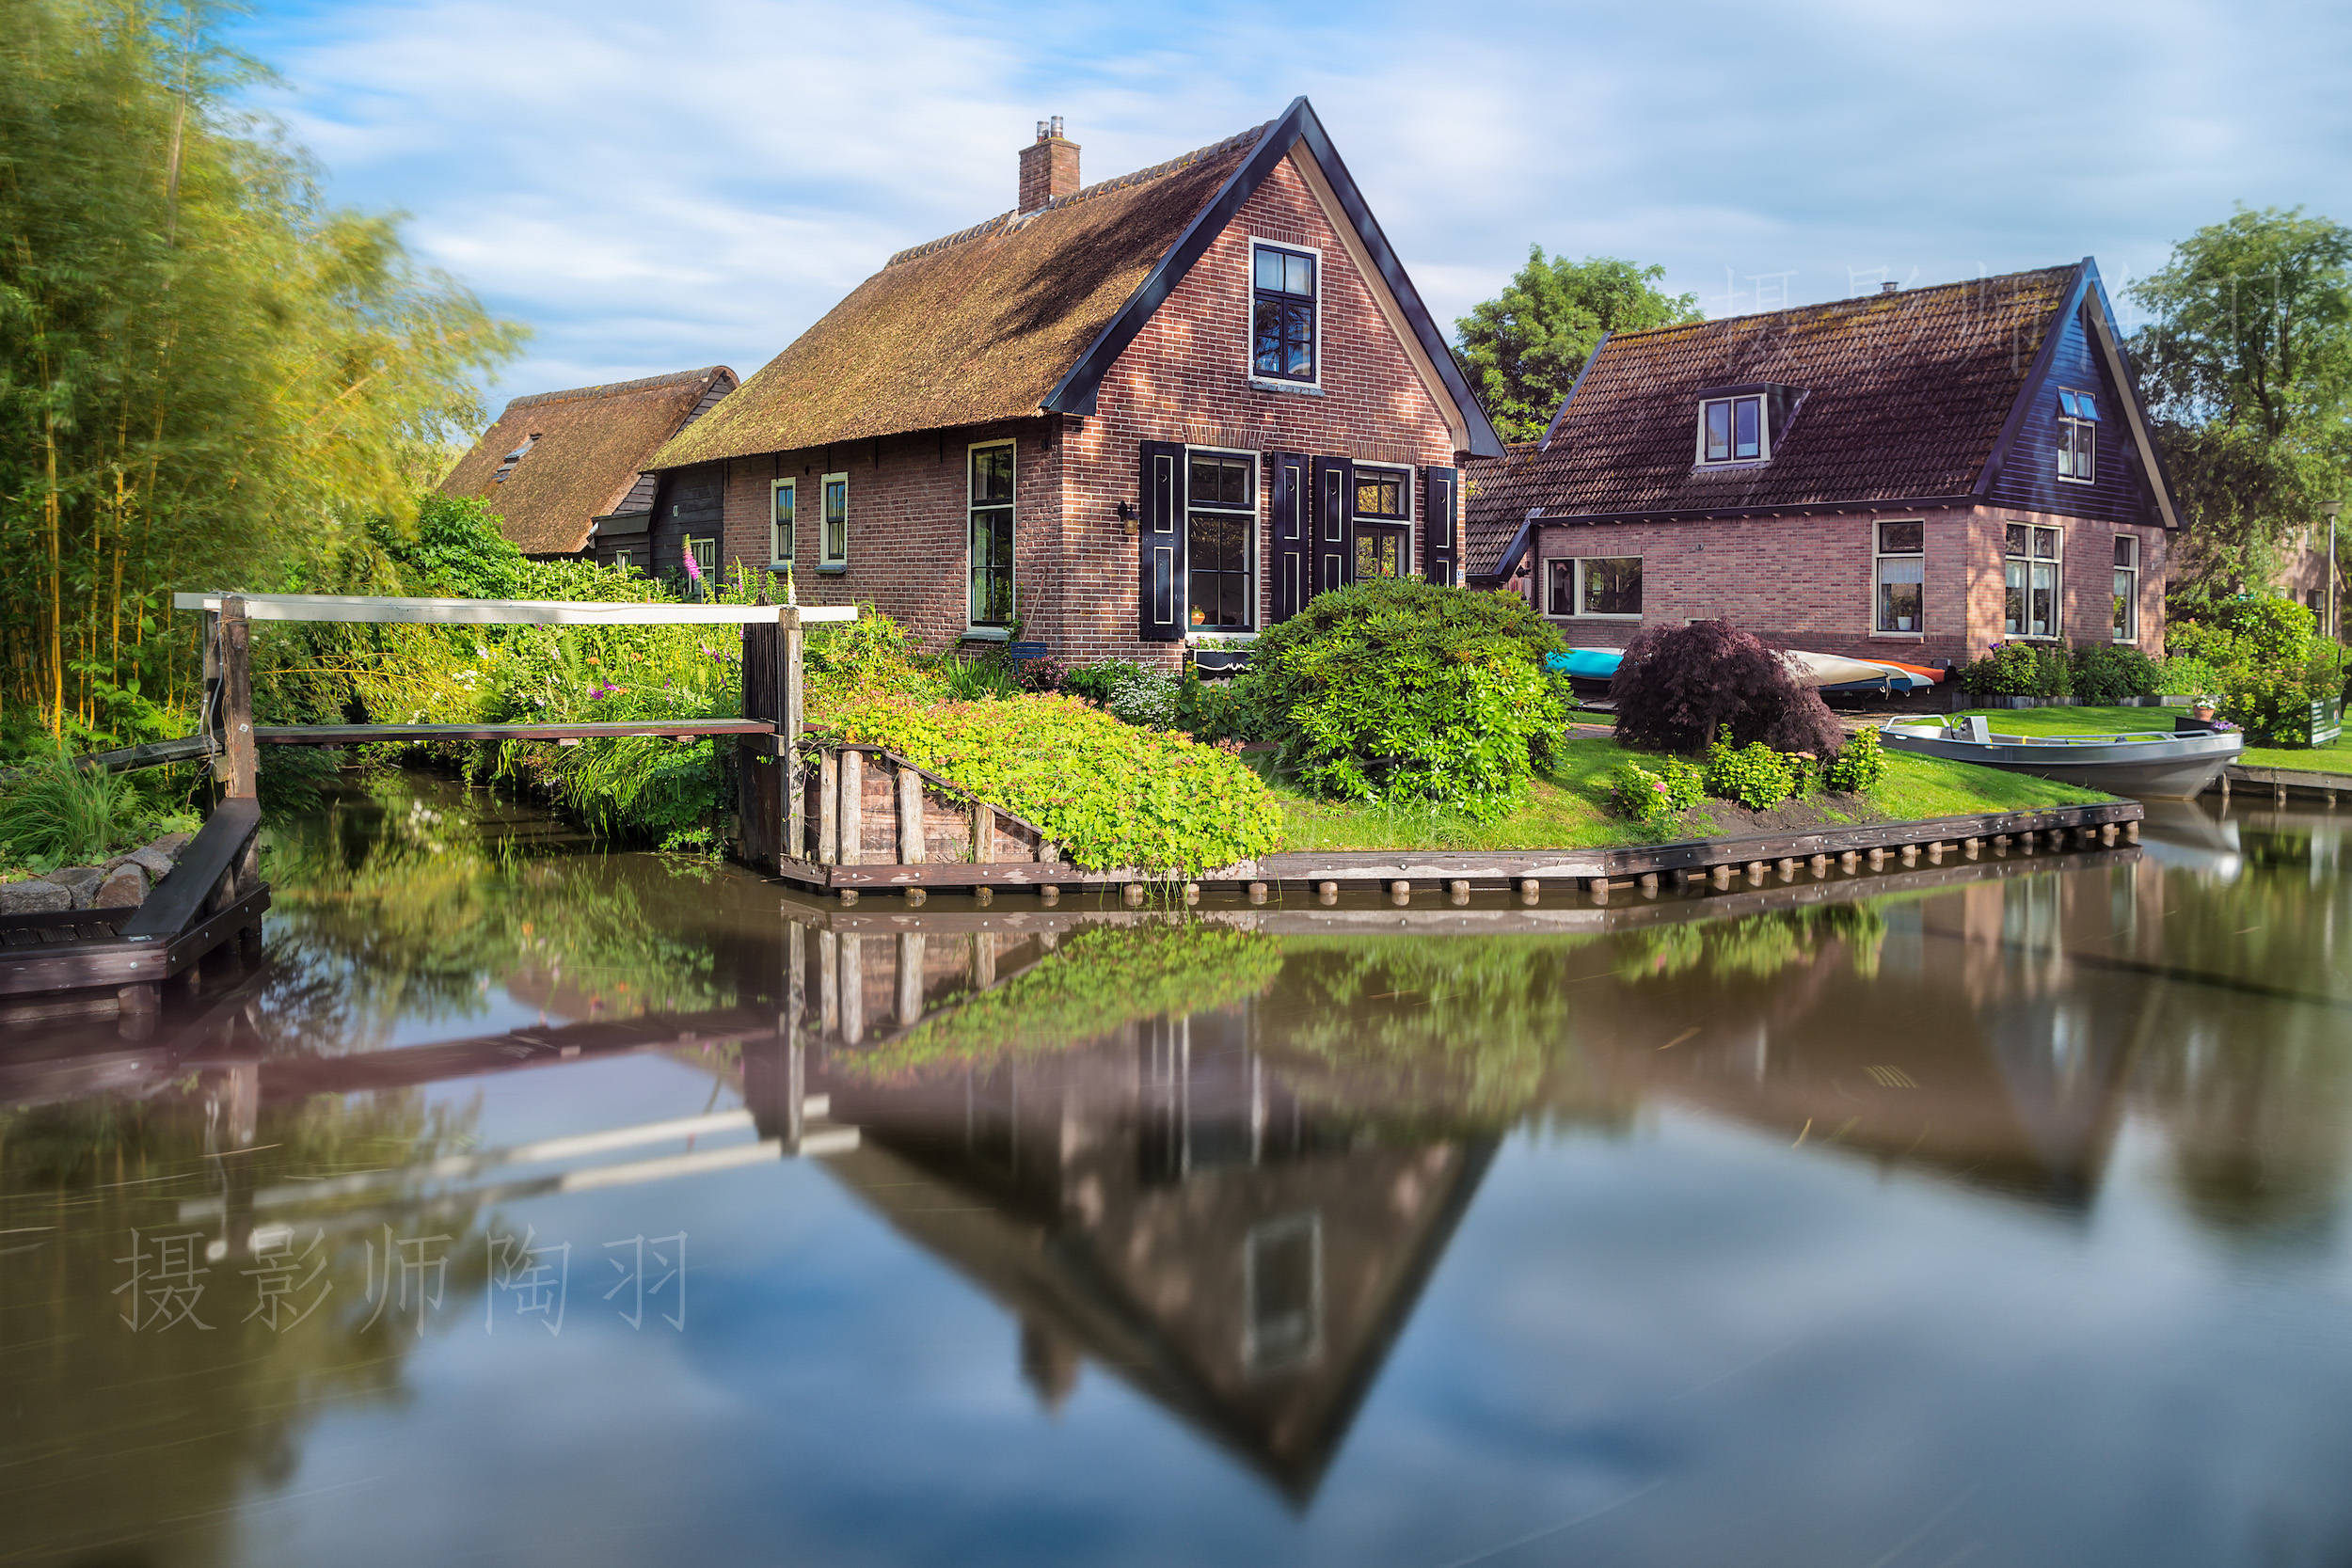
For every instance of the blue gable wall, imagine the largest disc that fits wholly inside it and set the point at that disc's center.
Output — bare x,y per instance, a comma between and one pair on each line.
2028,476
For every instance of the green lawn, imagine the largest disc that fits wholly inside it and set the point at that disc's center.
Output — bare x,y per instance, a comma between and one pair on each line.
2335,758
1567,807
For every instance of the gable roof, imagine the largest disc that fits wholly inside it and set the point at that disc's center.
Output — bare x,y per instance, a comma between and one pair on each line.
593,443
1025,314
1903,398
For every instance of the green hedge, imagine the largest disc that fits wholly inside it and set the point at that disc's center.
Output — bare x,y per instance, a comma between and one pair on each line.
1113,795
1404,690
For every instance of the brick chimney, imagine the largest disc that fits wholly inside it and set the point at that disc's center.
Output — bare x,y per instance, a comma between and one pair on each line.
1049,166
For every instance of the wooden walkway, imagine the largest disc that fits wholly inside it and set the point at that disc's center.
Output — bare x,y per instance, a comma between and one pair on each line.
2280,782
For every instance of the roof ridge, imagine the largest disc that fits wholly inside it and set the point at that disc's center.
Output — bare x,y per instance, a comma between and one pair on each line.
1881,298
1003,221
674,378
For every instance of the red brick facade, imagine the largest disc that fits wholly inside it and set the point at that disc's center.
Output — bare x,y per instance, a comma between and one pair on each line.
1809,582
1185,378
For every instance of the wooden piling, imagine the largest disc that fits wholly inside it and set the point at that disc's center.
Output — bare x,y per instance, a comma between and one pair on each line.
1530,891
910,817
1327,894
1457,892
828,810
851,810
241,778
1257,893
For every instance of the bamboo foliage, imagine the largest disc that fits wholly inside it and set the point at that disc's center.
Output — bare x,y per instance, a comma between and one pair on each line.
208,377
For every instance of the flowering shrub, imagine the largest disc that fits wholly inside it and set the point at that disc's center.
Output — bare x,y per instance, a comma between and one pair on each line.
1753,775
1857,769
1641,796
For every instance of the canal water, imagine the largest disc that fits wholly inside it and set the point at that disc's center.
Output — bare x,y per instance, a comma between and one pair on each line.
532,1204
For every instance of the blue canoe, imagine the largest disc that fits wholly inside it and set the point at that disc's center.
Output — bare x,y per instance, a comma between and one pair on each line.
1587,664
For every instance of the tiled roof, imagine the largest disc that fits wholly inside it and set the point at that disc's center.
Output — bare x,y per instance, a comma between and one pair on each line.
1898,396
974,327
592,444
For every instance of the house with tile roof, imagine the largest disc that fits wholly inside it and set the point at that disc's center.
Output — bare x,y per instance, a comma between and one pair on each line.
1911,475
1136,417
566,472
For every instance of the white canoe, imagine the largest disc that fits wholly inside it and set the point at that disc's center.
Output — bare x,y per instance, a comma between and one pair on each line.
1837,669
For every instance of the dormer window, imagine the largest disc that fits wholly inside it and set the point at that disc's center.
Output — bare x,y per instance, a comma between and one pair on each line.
2078,436
506,464
1732,430
1282,313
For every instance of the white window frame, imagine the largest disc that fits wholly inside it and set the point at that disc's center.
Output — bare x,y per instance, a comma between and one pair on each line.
2073,431
1411,520
625,558
1879,553
2058,593
1576,588
1763,432
973,625
826,559
709,568
791,544
2131,599
1261,1358
1249,319
1257,525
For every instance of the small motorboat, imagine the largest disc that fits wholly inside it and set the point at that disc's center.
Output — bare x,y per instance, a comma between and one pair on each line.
2159,765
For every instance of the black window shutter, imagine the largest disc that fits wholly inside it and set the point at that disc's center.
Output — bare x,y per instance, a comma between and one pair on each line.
1160,546
1293,534
1334,551
1441,530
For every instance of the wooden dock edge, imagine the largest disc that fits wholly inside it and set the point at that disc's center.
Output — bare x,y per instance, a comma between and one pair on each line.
2282,782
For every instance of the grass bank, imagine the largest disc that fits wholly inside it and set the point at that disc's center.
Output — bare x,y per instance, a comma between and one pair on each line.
1567,807
2334,758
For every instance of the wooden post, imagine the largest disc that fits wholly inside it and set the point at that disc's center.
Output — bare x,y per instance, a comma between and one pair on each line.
1530,891
1457,891
850,814
827,808
983,833
853,988
1327,894
911,961
1257,893
237,699
910,816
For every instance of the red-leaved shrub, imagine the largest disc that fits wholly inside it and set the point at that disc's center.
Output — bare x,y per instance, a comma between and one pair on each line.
1678,685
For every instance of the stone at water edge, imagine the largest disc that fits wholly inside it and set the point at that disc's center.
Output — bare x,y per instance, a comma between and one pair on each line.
124,889
39,897
147,858
82,882
170,845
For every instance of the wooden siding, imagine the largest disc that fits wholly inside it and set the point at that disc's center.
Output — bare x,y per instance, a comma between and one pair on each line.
2028,476
689,502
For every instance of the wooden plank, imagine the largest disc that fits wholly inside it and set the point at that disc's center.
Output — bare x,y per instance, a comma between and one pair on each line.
983,832
118,961
851,812
243,781
529,612
827,808
180,895
2291,778
911,848
360,735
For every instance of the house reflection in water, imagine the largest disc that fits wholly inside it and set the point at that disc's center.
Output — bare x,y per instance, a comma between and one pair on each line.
1158,1202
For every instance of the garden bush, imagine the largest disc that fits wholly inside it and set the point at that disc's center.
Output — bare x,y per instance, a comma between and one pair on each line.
1858,767
1404,690
1098,678
1217,711
1755,775
1641,796
1678,685
54,814
2104,674
1112,795
2187,676
2018,670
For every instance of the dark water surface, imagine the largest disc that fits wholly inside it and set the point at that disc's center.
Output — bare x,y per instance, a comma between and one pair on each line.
1985,1213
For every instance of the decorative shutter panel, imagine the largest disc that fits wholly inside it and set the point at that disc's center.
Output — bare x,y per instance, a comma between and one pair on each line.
1160,546
1294,535
1334,547
1442,529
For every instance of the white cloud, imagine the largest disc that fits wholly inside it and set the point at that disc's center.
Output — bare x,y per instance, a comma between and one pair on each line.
659,189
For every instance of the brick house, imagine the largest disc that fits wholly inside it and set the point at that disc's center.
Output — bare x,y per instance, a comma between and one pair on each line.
1128,417
566,472
1910,475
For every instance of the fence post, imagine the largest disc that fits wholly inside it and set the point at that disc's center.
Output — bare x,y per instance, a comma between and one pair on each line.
237,699
767,804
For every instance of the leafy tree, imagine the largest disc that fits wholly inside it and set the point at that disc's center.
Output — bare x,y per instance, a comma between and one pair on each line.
206,373
1524,347
2247,364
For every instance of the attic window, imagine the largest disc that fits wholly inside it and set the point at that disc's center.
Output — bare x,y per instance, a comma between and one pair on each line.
2078,436
506,464
1283,313
1732,430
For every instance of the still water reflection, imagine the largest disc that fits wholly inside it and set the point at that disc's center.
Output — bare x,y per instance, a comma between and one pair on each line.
532,1204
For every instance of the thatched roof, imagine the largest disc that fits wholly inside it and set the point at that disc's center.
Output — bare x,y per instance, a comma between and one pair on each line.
587,448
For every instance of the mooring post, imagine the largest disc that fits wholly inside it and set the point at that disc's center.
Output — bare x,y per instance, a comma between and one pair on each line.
768,804
237,699
910,816
850,814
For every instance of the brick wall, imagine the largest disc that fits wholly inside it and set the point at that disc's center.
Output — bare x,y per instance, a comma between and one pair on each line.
1187,378
1807,582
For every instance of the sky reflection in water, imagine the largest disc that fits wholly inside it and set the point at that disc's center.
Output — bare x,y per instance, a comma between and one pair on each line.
1996,1218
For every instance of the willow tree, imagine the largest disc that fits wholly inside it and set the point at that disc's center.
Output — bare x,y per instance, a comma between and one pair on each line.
208,375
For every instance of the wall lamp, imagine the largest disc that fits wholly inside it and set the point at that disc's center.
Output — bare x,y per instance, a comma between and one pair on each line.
1127,515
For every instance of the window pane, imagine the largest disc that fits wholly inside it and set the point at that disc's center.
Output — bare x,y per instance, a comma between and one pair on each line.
1746,415
2086,405
2046,543
1901,596
836,501
1560,593
1613,587
1299,340
1902,538
784,505
1718,433
2013,596
2127,550
992,474
1379,494
1267,355
1269,269
2126,590
2066,404
2085,445
2016,539
2043,607
1301,274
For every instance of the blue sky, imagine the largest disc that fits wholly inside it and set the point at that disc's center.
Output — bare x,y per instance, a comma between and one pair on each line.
655,188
